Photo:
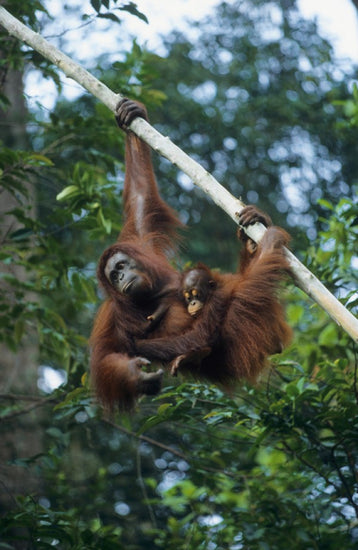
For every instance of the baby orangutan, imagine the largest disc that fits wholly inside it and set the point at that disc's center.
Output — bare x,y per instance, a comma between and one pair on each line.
198,286
238,320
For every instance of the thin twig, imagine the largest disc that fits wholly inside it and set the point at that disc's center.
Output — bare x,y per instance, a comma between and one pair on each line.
27,409
144,489
166,448
146,439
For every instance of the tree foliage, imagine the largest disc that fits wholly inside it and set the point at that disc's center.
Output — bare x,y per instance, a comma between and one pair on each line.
268,466
256,78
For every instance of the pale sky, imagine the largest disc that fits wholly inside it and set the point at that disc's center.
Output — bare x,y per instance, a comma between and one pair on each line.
337,19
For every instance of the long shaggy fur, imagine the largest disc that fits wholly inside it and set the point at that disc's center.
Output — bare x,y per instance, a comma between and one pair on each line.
149,236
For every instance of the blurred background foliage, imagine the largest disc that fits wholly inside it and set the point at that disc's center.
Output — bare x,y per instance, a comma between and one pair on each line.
255,94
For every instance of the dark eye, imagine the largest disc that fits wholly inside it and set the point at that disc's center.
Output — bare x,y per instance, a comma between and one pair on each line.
113,276
186,296
119,266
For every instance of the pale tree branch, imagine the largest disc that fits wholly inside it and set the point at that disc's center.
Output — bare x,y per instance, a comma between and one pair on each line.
162,145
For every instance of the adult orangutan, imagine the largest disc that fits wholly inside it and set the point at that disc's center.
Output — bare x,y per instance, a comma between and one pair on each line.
138,279
144,302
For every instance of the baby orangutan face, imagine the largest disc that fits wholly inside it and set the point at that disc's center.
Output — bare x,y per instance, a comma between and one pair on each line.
197,286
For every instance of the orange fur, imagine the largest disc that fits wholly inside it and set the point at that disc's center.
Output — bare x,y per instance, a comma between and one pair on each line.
242,321
149,236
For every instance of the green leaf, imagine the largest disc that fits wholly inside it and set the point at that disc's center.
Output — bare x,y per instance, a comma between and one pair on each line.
40,160
96,4
326,204
67,192
328,336
110,16
131,7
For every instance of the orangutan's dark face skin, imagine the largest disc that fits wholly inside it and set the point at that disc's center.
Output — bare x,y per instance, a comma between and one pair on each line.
126,276
196,287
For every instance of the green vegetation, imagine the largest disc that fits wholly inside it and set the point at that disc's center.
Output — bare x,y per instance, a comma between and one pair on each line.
258,98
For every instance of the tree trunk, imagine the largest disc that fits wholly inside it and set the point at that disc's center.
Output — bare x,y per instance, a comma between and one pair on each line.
18,370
